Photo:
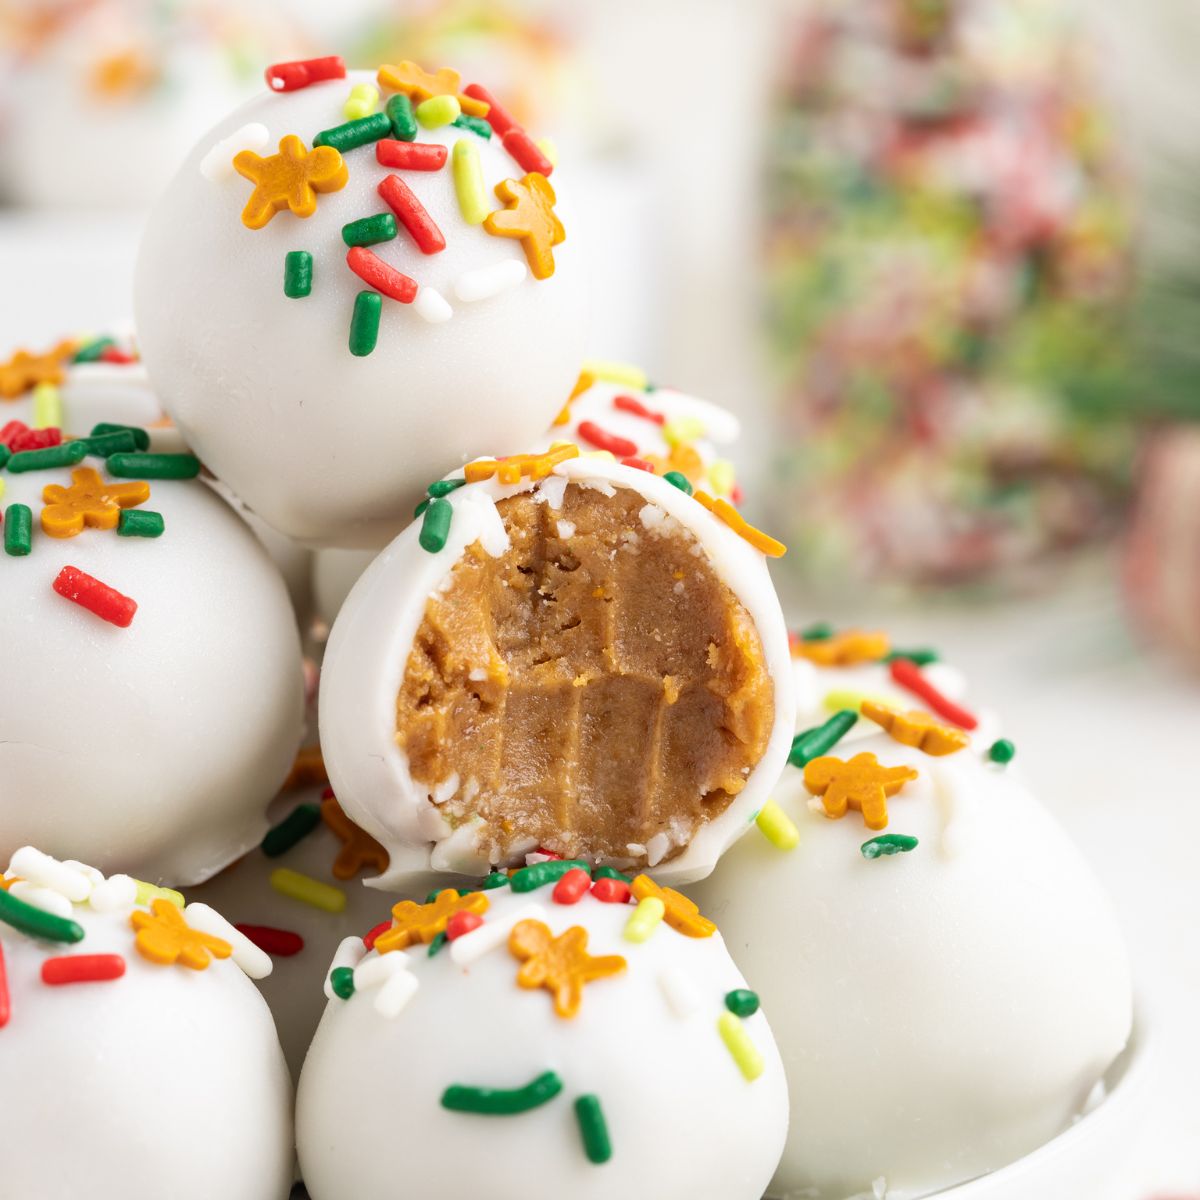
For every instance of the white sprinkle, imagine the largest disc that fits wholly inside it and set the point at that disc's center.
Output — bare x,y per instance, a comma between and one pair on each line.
47,899
566,529
491,935
433,306
394,995
487,282
350,953
116,892
47,872
534,857
83,868
217,164
376,971
551,491
636,849
255,962
656,848
679,992
446,789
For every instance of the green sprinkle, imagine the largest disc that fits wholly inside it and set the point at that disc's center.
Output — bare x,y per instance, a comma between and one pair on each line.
341,980
435,528
680,480
443,487
18,530
474,124
434,895
294,828
888,843
140,522
529,879
153,466
593,1128
353,134
812,743
66,454
91,351
141,439
120,441
742,1002
610,873
369,231
502,1102
399,112
421,508
494,880
921,657
36,923
822,631
438,942
297,274
364,325
1002,751
5,454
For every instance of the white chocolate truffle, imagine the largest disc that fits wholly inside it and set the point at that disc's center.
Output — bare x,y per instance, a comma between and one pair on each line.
645,1044
153,748
144,1078
326,446
940,1012
375,650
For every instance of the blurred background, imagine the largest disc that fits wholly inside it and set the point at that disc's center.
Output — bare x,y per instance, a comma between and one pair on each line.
942,257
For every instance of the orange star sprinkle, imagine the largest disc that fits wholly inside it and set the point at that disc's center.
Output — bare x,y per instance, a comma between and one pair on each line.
561,965
510,470
290,179
528,214
846,649
762,542
25,370
681,913
861,784
413,922
916,728
164,937
684,458
88,501
359,849
415,81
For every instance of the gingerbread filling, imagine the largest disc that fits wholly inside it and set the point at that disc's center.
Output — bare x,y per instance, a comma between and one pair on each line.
596,690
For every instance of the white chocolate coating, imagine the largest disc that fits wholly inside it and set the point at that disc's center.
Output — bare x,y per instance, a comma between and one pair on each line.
165,1082
940,1012
678,1110
327,447
369,647
153,749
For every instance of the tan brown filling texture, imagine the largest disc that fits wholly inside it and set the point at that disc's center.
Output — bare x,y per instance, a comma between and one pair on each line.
594,686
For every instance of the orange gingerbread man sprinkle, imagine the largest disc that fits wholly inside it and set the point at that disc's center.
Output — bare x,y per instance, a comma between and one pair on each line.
561,965
846,649
528,214
290,179
416,82
413,922
681,913
860,783
510,470
308,769
916,728
164,937
25,370
88,501
359,849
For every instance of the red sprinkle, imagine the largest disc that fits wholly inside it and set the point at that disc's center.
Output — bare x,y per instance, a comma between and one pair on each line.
908,675
370,268
410,156
278,943
88,592
460,923
611,891
737,495
603,440
114,354
640,463
572,887
292,76
82,968
411,212
551,854
526,152
382,927
17,436
632,404
498,118
5,1007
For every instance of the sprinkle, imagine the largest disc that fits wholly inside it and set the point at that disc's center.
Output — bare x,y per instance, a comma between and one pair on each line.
361,101
364,324
17,436
498,118
353,134
908,675
92,351
682,431
916,729
679,992
494,880
120,441
611,891
278,943
812,743
822,631
722,477
739,1044
140,437
923,658
432,305
726,512
491,935
413,923
777,827
47,406
291,76
18,530
486,282
349,954
468,181
400,113
529,879
294,828
861,783
290,180
308,769
593,1129
887,844
115,892
527,153
393,997
47,899
549,149
32,865
438,111
645,919
5,1004
140,523
679,480
435,526
841,698
631,404
82,968
462,922
742,1002
502,1102
528,215
411,79
682,914
476,125
341,982
846,649
410,156
609,873
421,226
217,165
147,893
572,887
153,466
37,924
370,268
68,454
1002,751
297,274
370,937
308,890
98,598
591,433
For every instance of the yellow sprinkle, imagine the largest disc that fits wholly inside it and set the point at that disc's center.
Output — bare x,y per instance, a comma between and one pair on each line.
760,541
361,102
777,827
146,892
602,455
722,477
438,111
468,181
681,431
2,487
308,890
617,372
739,1044
47,406
645,920
549,149
835,701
